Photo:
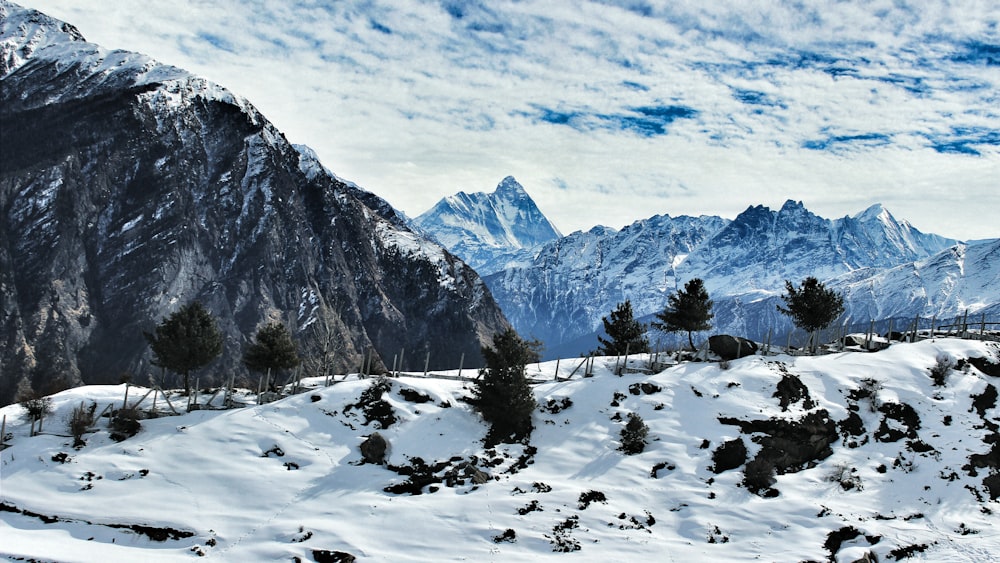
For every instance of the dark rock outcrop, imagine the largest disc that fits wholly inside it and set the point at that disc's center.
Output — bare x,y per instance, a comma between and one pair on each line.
729,455
791,390
374,448
729,347
129,188
789,446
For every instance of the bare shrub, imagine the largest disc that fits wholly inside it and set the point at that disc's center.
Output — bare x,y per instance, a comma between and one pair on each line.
80,421
941,368
846,476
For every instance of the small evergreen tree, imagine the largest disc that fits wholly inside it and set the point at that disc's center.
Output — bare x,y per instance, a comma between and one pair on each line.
625,334
812,306
687,310
634,435
273,349
502,394
186,340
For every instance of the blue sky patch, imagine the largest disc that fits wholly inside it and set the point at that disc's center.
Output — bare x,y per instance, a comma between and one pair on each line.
836,142
964,140
978,53
647,121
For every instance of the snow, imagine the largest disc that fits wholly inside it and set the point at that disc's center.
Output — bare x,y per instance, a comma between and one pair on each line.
218,474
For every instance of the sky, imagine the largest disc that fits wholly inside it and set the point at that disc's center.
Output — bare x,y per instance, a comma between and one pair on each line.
612,111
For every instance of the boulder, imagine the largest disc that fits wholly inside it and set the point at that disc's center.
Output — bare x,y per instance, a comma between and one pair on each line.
728,347
374,448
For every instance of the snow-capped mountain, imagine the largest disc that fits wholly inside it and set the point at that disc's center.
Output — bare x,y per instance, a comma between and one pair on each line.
574,281
845,457
129,188
965,277
486,229
761,248
560,296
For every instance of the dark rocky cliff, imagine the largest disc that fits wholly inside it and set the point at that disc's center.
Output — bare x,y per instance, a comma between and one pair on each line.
128,188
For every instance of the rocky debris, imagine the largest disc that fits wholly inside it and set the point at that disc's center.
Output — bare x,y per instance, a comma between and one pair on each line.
985,400
836,538
646,388
453,472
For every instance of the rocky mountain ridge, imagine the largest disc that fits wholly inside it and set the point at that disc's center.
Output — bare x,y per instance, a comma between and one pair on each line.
129,188
488,229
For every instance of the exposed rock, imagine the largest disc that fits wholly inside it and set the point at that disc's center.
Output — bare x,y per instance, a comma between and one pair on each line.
729,347
792,390
791,445
986,365
729,455
985,400
907,422
374,448
328,556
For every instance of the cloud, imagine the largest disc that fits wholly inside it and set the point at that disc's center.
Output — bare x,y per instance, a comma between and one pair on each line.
612,111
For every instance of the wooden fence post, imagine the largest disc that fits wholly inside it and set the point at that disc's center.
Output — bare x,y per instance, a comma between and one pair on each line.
556,376
461,364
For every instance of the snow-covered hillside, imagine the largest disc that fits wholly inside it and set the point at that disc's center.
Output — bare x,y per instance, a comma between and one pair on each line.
896,466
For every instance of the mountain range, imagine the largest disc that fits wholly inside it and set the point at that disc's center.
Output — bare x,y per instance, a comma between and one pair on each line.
559,290
129,188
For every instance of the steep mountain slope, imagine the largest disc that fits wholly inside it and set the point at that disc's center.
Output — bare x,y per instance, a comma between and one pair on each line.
129,188
849,454
487,229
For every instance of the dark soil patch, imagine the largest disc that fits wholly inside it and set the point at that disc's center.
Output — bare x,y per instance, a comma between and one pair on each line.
985,400
902,413
159,534
729,455
791,390
328,556
986,365
413,396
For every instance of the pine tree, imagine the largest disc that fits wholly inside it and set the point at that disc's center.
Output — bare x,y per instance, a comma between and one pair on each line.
186,340
273,349
625,334
687,310
812,306
502,394
633,436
